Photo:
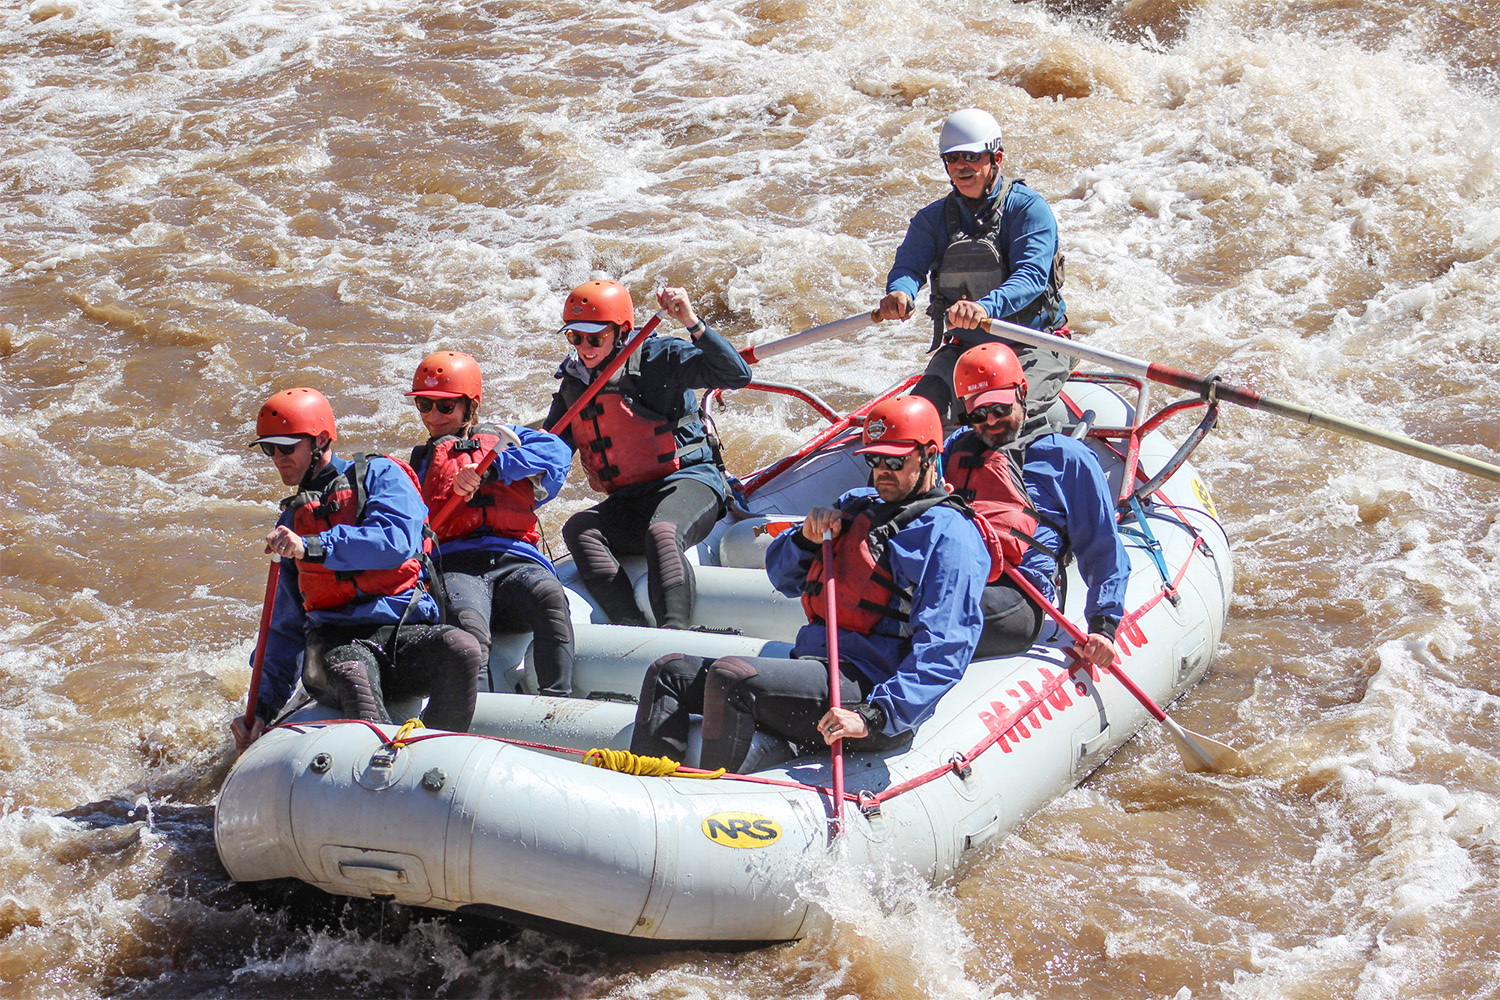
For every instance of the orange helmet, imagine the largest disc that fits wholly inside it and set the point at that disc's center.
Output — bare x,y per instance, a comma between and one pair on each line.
594,303
896,426
292,413
447,375
989,373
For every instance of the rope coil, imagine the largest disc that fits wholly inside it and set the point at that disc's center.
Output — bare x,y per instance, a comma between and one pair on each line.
650,767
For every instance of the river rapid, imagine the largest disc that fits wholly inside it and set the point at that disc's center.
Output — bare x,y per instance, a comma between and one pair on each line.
203,202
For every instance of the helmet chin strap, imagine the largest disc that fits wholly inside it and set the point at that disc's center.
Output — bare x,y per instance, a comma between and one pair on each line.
921,484
314,465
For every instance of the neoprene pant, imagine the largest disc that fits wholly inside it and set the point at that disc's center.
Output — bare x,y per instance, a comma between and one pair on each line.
507,593
1011,621
356,669
658,522
1046,374
735,695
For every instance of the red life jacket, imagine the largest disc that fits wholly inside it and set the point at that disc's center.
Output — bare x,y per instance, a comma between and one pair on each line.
989,479
497,508
867,592
622,442
343,502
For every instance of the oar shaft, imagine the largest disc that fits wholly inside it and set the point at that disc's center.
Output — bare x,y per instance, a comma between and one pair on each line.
837,328
252,699
1208,387
835,695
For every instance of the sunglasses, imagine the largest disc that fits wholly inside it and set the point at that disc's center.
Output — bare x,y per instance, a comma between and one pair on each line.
268,449
983,413
425,404
965,157
595,339
893,463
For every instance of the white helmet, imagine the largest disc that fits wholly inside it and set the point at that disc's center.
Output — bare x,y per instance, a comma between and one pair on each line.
971,130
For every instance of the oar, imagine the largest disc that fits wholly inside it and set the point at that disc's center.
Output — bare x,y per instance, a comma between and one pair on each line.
252,700
1212,389
839,327
1199,753
600,380
835,697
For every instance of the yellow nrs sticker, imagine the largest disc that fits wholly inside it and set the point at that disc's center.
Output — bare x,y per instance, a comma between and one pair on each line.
739,829
1208,501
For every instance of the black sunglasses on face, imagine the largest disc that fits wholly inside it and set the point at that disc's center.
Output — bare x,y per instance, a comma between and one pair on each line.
984,413
269,449
595,339
895,463
444,406
964,157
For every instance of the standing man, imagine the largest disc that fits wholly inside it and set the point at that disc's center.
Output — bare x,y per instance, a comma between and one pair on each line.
494,575
1066,506
643,443
990,248
909,566
351,610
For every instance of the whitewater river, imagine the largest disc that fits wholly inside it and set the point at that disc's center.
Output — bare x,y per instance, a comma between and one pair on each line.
202,202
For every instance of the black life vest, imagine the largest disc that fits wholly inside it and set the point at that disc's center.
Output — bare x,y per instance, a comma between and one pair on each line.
507,509
971,267
342,501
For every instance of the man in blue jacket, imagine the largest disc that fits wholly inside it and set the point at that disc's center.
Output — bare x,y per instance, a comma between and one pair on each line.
909,568
642,442
1070,499
990,248
351,612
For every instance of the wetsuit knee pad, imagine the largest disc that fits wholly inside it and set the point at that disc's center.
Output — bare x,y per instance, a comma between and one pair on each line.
664,541
726,683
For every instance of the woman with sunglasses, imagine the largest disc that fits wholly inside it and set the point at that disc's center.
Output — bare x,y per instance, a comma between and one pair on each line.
495,577
990,249
352,602
910,567
644,443
1045,485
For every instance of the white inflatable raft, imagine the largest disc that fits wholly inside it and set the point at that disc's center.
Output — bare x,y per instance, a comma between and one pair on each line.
507,820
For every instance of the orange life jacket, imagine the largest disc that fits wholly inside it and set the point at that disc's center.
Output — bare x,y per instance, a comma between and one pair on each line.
498,508
989,479
343,502
621,442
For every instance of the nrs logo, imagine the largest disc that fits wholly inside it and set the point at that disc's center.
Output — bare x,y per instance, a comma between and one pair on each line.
739,829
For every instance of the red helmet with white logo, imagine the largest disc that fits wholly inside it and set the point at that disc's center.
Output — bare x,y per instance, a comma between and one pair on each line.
292,413
594,303
447,375
897,426
988,374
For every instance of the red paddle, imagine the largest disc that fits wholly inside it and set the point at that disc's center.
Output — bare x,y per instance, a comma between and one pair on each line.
835,698
252,700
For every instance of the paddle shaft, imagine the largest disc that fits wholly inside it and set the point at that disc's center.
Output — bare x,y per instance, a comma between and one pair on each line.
252,700
592,390
835,697
1211,388
1029,589
837,328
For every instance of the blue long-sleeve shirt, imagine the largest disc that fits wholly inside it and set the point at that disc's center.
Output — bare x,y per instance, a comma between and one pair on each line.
389,533
671,369
539,454
1067,486
1028,234
938,557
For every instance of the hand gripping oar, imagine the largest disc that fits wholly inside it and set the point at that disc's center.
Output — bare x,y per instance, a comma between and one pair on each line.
1199,753
599,382
1212,389
835,697
252,700
837,328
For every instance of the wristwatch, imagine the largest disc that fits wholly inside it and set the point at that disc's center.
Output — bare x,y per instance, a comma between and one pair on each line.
314,549
873,715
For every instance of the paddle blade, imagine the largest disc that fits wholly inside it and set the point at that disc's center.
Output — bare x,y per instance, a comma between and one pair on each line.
1200,753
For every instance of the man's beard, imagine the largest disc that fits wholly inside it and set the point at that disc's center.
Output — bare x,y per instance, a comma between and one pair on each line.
1000,440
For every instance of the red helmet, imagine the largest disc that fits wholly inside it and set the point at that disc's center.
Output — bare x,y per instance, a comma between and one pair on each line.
896,426
991,374
447,375
594,303
291,413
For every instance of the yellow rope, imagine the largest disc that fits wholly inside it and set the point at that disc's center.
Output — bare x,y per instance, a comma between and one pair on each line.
412,725
651,767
